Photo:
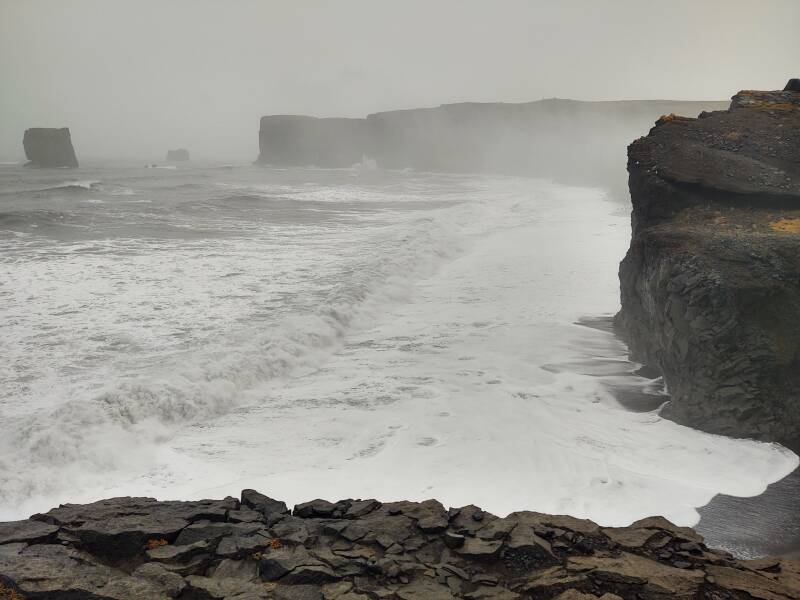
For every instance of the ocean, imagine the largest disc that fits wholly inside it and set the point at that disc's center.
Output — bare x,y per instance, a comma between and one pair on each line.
190,331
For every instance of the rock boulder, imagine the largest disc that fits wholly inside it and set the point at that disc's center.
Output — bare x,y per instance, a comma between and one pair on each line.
49,147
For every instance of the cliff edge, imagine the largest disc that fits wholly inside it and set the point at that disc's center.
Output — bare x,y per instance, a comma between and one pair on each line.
710,286
254,548
571,141
49,147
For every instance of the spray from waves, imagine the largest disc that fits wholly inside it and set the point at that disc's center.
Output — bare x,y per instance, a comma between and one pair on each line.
86,441
87,184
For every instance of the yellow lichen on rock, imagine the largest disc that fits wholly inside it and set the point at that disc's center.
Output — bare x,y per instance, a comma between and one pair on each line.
786,225
6,593
155,543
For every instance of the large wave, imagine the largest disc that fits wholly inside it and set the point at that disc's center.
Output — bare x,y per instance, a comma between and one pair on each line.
82,441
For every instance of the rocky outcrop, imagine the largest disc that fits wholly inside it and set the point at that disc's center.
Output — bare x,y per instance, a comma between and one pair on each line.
49,147
711,282
290,140
128,548
547,138
178,155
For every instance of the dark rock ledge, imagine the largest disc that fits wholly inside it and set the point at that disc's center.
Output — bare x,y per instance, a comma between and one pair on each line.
711,282
126,548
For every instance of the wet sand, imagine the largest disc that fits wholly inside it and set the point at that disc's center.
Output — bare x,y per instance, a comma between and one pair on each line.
763,525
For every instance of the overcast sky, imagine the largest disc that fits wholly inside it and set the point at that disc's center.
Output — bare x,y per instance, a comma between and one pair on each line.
134,77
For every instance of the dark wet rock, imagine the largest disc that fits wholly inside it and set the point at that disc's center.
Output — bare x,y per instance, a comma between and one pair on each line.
245,516
630,537
170,553
479,549
392,551
55,571
238,546
300,592
359,508
297,530
793,85
219,588
464,522
525,550
709,286
228,568
296,564
31,532
172,583
120,528
453,540
272,510
211,532
315,508
49,147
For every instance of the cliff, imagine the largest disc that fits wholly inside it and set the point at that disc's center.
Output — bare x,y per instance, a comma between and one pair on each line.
253,548
289,140
49,147
547,138
711,283
180,154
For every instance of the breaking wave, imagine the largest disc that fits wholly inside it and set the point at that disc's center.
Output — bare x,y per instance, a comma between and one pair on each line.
84,439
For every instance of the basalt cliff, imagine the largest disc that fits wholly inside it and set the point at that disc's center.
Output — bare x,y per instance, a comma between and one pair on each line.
254,548
711,283
570,141
49,147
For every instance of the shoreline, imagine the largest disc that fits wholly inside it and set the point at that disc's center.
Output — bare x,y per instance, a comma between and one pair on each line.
767,524
763,525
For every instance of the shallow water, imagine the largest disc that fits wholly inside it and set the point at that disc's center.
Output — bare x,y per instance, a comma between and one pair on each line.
351,333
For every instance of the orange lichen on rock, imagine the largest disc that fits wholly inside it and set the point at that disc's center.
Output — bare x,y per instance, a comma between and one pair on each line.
673,118
155,543
786,225
6,593
275,543
777,105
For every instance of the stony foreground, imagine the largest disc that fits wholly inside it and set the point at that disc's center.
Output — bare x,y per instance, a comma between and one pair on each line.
711,282
255,548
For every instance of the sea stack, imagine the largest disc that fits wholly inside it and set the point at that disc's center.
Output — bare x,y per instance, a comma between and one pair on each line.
178,155
711,283
49,147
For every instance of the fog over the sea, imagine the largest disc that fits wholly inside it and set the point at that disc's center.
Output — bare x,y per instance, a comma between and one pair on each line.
133,78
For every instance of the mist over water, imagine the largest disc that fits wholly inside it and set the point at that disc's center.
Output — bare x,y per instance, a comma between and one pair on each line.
332,333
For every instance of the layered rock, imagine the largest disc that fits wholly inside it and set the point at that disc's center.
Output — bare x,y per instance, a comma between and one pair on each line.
178,155
711,283
49,147
126,548
547,138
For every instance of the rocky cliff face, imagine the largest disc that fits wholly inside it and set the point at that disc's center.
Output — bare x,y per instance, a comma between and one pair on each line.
178,155
711,283
49,147
127,548
289,140
547,138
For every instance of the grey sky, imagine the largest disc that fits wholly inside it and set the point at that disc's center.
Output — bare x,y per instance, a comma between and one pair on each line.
132,78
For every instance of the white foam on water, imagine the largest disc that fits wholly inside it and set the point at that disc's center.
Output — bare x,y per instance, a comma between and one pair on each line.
86,184
410,354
